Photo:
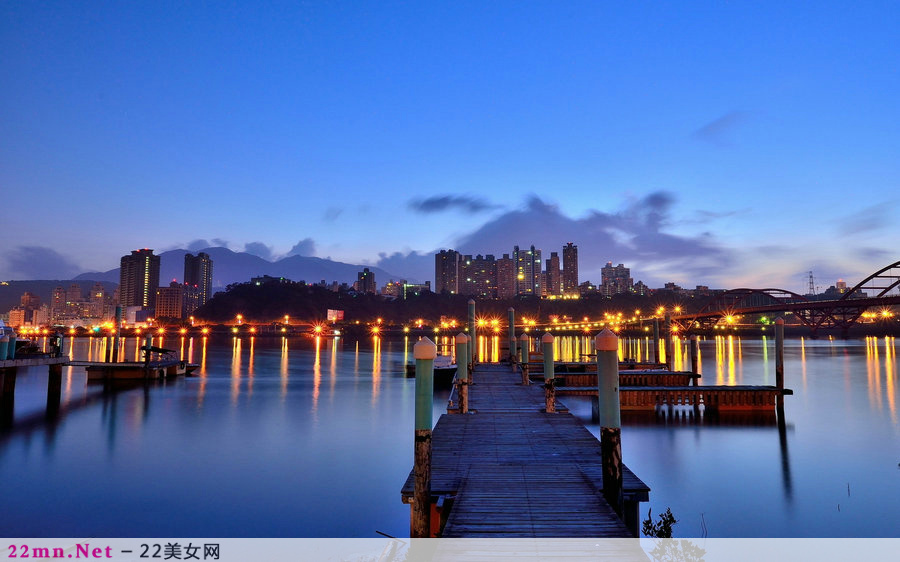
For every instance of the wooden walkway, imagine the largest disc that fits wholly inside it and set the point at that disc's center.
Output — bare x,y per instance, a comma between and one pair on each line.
508,469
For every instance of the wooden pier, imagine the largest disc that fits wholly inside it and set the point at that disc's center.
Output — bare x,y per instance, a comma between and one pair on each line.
509,469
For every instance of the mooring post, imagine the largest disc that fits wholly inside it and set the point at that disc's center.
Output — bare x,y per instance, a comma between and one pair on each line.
11,350
511,331
4,347
148,343
462,372
470,365
424,353
607,345
695,358
668,335
118,327
779,364
54,390
471,322
523,357
656,340
549,388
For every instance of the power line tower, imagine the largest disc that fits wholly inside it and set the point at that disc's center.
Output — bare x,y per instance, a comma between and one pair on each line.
811,290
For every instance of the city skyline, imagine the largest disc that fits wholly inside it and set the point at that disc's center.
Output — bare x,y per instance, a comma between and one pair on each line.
698,144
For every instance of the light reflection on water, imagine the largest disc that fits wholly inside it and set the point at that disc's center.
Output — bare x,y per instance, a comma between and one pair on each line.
258,445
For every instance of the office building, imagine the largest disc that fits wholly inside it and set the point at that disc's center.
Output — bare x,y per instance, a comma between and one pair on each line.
198,272
570,269
139,280
446,271
528,271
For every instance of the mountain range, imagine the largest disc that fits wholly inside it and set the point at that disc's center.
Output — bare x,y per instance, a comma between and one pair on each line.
238,267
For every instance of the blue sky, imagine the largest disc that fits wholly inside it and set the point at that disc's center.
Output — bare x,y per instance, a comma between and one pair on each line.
703,143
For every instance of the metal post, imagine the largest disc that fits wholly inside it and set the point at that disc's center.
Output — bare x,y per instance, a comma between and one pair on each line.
549,389
424,353
462,372
607,345
523,359
656,340
779,363
471,322
668,336
511,330
148,343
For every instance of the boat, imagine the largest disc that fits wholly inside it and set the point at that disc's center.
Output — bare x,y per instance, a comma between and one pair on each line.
444,369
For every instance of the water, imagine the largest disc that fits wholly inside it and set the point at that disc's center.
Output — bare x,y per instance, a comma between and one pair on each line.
287,437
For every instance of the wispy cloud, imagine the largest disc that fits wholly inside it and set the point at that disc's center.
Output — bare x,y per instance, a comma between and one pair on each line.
869,219
305,247
440,203
38,262
259,249
719,131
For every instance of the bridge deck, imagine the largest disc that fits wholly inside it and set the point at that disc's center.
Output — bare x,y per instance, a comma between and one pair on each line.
517,471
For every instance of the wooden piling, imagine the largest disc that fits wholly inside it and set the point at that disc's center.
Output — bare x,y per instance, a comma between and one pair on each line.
668,335
523,357
462,372
779,364
695,356
471,323
511,331
549,383
607,345
424,353
656,340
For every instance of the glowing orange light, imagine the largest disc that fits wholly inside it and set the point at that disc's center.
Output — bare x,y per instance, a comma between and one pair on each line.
205,331
183,330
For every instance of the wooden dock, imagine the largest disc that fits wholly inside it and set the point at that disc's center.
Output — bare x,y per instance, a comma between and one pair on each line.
508,469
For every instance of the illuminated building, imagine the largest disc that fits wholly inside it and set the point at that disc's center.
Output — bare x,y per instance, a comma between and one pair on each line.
570,269
615,279
446,271
528,271
553,286
139,279
478,276
198,272
506,277
365,281
170,301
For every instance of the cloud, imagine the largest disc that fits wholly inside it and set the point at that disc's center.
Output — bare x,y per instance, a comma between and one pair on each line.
411,266
305,247
332,213
440,203
199,244
869,219
38,262
718,131
634,235
259,249
219,243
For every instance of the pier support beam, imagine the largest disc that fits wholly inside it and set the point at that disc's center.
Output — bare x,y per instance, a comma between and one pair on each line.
424,353
462,373
549,382
116,339
607,345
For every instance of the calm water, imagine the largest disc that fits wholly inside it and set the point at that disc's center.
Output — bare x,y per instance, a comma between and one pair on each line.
298,439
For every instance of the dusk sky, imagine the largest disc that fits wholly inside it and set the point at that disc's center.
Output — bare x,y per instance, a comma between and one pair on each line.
700,143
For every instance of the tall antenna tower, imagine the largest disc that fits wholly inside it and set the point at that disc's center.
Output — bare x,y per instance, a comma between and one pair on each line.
812,285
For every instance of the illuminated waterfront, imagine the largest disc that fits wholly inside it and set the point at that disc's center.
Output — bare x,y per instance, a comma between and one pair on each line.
304,437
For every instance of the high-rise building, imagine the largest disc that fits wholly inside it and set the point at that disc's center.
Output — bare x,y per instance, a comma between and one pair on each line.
446,271
615,279
198,272
528,271
139,280
506,277
570,269
170,301
478,276
553,278
365,281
